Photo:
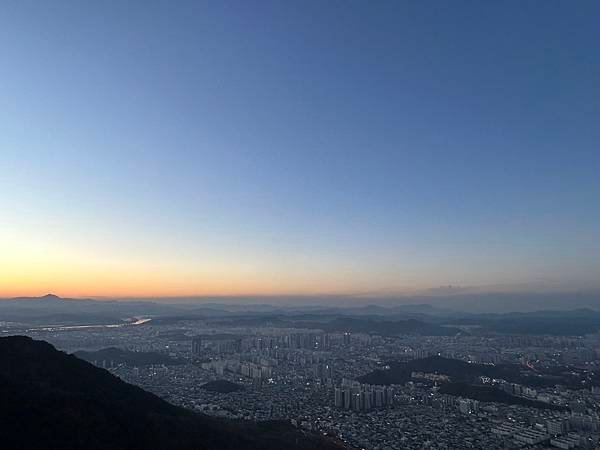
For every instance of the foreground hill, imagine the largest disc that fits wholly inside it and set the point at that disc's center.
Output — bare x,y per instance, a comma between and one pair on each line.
54,400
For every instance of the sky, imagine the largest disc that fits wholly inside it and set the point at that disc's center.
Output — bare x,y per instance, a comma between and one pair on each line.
152,148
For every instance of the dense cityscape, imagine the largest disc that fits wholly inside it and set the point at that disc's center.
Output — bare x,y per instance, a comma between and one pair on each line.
319,380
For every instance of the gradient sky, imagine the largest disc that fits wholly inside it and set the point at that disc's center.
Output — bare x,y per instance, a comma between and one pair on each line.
298,147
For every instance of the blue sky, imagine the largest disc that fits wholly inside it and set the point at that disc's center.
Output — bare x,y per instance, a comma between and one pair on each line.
179,148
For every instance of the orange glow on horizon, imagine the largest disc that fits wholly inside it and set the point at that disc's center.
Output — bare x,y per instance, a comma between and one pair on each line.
31,267
114,282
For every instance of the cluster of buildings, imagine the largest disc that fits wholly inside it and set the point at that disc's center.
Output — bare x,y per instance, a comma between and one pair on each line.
216,344
551,435
362,397
258,369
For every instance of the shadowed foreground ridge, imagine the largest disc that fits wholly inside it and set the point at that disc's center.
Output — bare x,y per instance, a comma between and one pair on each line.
54,400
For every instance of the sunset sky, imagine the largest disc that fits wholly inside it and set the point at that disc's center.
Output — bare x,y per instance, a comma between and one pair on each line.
276,147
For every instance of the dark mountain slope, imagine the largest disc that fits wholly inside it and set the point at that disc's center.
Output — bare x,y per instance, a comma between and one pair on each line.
54,400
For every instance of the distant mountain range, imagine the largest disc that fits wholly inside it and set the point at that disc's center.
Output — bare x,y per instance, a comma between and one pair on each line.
53,400
51,309
421,319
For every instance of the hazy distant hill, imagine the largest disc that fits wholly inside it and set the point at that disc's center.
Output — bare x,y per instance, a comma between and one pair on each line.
53,310
54,400
419,319
370,325
388,327
577,322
